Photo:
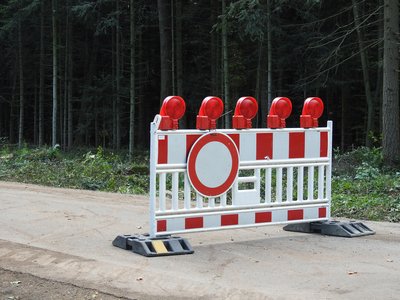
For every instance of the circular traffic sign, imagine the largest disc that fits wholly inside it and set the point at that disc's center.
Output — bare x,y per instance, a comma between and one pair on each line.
213,164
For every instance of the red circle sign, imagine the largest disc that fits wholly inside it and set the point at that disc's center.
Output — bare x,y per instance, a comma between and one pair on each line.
213,164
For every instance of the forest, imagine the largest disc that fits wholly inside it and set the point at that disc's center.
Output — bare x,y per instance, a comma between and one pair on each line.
89,73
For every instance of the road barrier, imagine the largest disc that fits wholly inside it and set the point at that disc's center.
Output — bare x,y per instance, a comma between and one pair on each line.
211,179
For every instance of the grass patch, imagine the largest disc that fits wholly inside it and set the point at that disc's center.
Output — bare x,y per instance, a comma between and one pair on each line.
93,170
363,189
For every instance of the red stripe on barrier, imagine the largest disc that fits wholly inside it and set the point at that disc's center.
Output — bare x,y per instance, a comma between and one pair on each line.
322,212
295,214
263,217
227,220
264,145
161,225
236,138
191,223
190,139
163,149
324,144
296,144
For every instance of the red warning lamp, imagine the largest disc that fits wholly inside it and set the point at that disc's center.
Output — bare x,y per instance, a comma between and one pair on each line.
246,109
172,109
312,110
280,110
210,110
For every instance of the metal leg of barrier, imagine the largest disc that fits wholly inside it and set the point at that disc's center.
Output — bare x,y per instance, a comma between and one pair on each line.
333,228
157,246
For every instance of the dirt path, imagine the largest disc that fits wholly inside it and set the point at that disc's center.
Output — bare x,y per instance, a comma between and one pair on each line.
65,236
17,285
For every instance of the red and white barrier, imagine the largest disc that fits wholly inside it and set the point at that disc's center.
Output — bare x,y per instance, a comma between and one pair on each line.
211,179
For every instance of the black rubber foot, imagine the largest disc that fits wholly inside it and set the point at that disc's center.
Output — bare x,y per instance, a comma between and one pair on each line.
334,228
159,246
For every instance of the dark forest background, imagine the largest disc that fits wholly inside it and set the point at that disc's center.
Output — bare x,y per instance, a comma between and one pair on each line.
93,73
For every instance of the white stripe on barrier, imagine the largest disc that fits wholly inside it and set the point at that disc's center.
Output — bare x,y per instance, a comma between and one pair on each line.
247,146
312,144
176,149
280,144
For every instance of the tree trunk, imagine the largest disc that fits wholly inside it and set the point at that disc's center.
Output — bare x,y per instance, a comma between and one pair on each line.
214,7
118,86
259,88
173,65
179,55
21,87
66,79
344,126
41,75
70,88
141,129
96,123
54,114
367,85
390,107
35,114
12,107
179,63
132,81
114,99
269,56
379,78
60,108
165,48
225,67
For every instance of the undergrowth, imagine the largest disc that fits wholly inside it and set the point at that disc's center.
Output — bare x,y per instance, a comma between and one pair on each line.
361,187
93,170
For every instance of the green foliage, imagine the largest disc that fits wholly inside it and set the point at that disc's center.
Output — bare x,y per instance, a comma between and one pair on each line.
96,170
360,161
363,189
247,18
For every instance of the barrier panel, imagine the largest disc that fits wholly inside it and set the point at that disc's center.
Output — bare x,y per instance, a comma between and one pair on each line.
279,176
210,179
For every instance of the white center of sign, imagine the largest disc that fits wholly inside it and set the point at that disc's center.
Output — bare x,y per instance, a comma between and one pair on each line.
213,164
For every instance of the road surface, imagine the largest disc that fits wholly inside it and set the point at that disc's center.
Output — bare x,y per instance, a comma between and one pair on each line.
65,236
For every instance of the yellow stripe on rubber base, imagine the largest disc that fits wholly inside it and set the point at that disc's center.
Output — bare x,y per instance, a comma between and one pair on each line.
159,246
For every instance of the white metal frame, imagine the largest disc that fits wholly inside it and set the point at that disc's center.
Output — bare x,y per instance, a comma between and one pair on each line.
184,202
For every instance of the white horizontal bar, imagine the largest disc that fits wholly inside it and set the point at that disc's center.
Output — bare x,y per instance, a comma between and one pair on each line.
289,161
170,168
247,179
276,166
254,164
180,170
246,191
204,210
238,210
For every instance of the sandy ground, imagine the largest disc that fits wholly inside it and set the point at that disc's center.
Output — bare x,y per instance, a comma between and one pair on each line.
64,237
